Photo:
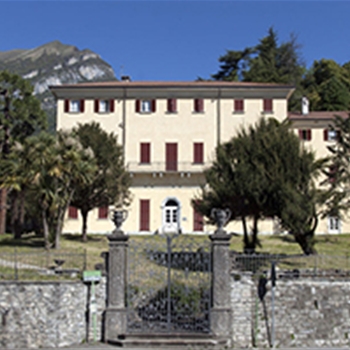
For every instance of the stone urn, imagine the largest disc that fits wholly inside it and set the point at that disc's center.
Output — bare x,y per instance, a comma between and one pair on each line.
221,217
118,217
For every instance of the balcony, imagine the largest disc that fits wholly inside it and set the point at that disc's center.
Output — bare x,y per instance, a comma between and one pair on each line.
167,167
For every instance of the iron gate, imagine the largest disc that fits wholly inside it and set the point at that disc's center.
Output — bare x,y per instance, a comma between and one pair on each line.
169,284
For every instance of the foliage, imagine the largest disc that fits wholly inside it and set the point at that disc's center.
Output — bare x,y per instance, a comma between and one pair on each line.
20,117
50,167
110,181
337,196
267,62
263,172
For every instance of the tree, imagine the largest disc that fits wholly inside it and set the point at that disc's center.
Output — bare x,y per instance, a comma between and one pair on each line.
337,175
267,62
52,166
110,182
264,172
20,116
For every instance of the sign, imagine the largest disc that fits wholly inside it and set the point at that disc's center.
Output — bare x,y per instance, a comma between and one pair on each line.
92,276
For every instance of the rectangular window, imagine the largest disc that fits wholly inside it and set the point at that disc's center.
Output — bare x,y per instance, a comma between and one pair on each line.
197,221
145,106
171,156
72,212
198,152
74,106
239,105
268,105
334,225
171,105
145,153
198,105
305,134
144,214
330,135
103,213
104,106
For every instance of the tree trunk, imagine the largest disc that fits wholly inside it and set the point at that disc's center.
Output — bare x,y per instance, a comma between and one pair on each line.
46,230
84,215
3,208
306,242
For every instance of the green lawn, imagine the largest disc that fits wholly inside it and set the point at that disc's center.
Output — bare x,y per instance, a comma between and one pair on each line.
78,254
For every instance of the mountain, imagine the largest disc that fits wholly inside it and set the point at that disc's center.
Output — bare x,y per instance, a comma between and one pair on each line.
53,64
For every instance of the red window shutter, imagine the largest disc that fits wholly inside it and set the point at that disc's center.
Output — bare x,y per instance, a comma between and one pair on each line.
268,105
144,214
172,105
153,105
309,134
66,106
96,106
72,212
239,105
198,105
198,153
197,221
171,156
325,134
103,213
137,106
111,106
82,106
301,134
145,153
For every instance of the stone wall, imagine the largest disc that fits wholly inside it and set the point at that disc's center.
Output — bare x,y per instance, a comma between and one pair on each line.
308,312
47,314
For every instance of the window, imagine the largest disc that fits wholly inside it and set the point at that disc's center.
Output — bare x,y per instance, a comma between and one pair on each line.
334,224
171,105
239,106
145,106
144,214
171,156
305,134
198,153
72,212
104,106
198,105
145,153
197,221
330,135
74,106
103,213
268,108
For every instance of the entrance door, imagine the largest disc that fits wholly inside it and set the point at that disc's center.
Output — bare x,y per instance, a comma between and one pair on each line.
171,216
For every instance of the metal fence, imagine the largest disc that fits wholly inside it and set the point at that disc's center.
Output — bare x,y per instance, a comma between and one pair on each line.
293,266
43,265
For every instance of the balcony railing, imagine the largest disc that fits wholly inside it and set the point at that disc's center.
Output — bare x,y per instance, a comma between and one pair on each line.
165,167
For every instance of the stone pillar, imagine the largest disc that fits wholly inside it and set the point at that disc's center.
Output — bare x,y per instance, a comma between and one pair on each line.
115,314
221,314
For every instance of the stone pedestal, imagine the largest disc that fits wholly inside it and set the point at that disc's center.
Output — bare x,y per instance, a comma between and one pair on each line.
221,314
115,314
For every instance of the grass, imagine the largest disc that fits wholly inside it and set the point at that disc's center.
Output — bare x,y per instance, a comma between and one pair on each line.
72,246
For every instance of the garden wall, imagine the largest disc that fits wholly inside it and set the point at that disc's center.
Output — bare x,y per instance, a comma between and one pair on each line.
47,314
308,312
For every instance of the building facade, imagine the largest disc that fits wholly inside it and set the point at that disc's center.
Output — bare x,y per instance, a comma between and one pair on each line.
169,132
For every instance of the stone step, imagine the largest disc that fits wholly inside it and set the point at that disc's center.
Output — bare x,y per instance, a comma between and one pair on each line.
171,341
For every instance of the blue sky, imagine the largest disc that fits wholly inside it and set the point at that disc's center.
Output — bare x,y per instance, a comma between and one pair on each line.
175,40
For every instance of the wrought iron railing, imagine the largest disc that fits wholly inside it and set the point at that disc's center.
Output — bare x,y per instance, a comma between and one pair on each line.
184,167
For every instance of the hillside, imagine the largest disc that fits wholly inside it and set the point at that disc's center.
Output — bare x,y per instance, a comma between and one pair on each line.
55,63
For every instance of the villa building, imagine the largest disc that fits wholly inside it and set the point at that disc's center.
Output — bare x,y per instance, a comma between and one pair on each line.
169,132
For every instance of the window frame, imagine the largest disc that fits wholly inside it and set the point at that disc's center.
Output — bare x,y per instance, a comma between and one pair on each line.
145,153
171,105
198,105
72,213
198,153
267,105
102,213
238,106
305,134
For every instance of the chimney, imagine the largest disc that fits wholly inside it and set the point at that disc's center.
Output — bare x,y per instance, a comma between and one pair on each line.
125,78
304,106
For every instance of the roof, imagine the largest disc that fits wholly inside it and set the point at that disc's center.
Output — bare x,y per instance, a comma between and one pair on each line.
159,84
317,115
